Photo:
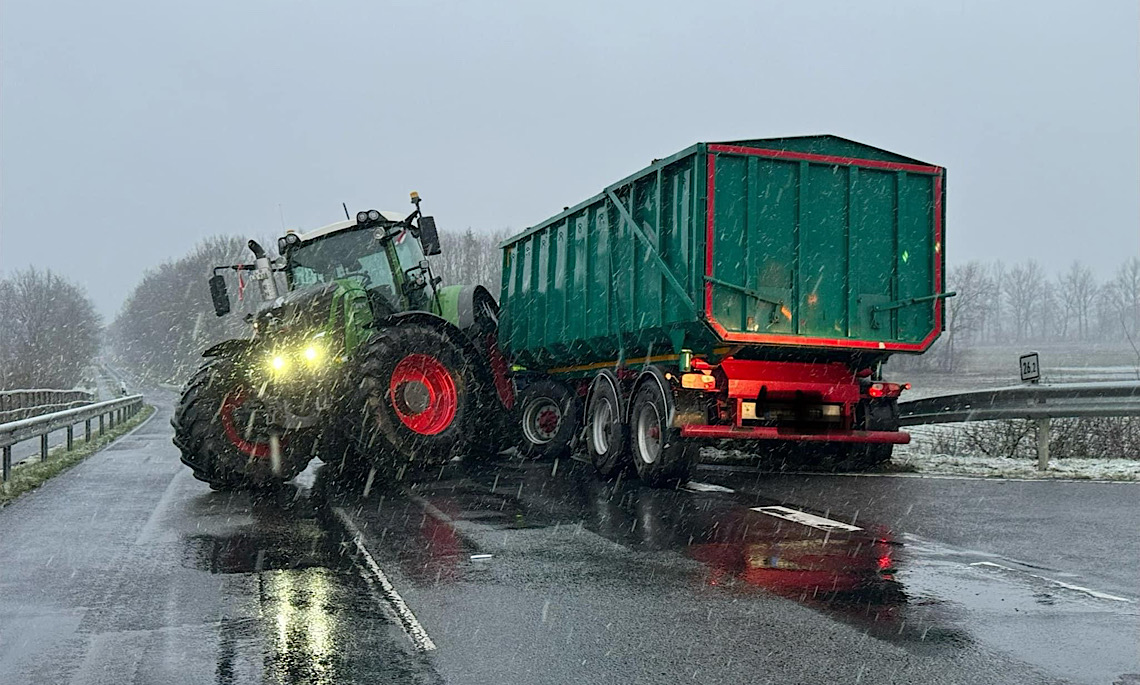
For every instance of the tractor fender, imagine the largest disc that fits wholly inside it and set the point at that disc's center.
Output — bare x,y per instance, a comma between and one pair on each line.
458,304
236,347
428,319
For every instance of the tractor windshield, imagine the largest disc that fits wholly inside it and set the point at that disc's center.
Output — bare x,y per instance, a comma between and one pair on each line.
342,255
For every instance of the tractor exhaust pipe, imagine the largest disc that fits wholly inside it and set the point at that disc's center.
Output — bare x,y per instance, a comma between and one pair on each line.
263,272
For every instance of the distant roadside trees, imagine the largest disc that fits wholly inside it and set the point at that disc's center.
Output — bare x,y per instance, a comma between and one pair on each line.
997,304
471,257
49,331
167,320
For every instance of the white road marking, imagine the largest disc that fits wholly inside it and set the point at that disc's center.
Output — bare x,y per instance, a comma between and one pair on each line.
806,519
1058,583
477,557
694,486
393,600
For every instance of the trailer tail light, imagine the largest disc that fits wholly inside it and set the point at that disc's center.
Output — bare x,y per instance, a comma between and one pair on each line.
698,381
887,389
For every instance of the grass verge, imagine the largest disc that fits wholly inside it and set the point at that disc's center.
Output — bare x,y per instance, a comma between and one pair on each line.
29,476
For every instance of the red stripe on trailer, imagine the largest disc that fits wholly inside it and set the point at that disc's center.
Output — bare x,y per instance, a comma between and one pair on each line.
826,159
709,215
772,433
765,338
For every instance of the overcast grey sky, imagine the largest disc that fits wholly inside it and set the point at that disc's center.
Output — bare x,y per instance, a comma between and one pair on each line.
131,129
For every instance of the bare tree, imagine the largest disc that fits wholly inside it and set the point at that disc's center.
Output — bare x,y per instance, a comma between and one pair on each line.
1078,292
1022,287
966,312
471,257
1127,295
51,331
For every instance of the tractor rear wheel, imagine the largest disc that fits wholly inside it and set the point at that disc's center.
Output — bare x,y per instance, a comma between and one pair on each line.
411,394
223,433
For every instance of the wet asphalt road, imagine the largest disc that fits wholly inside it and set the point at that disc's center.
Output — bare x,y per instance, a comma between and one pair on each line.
127,570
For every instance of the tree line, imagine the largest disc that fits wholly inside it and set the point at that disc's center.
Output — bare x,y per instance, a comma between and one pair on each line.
997,303
49,331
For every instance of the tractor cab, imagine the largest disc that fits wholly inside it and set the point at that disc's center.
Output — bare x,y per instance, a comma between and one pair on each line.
383,253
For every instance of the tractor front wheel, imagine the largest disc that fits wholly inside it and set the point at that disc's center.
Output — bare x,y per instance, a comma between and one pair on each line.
224,435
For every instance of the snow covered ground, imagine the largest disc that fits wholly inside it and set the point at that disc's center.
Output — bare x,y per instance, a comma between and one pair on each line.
1001,467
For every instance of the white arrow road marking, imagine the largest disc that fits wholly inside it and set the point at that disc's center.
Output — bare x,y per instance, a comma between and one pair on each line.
694,486
806,519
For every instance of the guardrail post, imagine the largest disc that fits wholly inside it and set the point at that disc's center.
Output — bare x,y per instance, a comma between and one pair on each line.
101,425
70,437
1043,444
43,447
6,470
87,430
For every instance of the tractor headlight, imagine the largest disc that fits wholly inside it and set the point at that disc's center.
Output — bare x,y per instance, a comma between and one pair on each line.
279,363
314,354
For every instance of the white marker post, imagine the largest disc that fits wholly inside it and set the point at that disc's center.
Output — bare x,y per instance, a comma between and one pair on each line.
1031,373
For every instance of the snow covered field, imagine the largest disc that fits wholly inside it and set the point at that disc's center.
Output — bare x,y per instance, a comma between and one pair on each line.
1001,467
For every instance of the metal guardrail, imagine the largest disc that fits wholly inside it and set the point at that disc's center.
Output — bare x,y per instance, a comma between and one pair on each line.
108,414
1037,402
21,404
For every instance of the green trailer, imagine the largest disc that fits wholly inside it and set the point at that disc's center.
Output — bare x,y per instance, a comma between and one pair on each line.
748,289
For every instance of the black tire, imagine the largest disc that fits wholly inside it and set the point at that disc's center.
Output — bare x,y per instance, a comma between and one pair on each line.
411,398
222,444
548,420
607,437
661,457
870,416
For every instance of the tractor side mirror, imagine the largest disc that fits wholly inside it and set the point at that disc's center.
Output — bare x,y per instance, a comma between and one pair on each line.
429,237
219,295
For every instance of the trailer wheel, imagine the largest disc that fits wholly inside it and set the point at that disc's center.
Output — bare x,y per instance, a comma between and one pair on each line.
660,455
223,436
548,418
607,437
411,397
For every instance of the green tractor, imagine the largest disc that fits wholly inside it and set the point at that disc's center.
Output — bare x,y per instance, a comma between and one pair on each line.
364,361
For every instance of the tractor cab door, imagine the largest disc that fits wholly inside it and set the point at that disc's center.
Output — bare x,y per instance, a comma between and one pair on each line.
416,282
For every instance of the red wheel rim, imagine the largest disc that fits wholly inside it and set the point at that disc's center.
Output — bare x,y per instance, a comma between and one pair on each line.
423,394
253,448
